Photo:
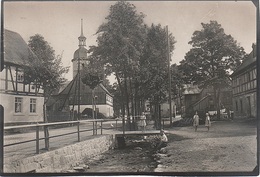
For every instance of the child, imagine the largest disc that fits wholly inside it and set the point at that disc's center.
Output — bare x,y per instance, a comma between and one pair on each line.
207,121
196,121
163,140
143,121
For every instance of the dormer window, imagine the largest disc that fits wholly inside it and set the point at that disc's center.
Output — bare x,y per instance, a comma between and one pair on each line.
20,77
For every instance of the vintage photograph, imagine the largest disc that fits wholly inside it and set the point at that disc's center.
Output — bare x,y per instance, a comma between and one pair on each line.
129,87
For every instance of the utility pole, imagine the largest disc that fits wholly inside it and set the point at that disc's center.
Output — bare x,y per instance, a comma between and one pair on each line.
169,72
78,116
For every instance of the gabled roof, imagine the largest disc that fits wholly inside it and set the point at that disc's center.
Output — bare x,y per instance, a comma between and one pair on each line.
249,61
70,86
16,51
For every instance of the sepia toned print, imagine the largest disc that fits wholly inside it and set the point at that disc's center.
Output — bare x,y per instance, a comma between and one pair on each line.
129,87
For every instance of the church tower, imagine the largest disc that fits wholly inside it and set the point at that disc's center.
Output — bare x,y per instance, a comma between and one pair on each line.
80,55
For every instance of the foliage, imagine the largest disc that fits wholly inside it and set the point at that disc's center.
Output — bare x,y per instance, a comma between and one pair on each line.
92,74
45,69
91,79
120,43
154,62
212,57
120,39
136,54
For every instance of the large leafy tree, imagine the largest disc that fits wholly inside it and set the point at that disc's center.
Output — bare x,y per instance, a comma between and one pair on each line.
120,44
213,56
45,70
153,75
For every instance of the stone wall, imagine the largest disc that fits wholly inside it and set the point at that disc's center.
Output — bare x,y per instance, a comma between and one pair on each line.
62,158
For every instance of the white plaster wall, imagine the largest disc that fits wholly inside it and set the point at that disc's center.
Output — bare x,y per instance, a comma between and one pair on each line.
8,102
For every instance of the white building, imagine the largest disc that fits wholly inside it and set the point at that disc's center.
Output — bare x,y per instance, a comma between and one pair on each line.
21,102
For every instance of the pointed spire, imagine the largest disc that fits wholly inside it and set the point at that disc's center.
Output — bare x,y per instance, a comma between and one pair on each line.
82,27
82,38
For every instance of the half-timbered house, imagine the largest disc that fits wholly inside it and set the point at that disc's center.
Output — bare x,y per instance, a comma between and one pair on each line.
244,86
22,102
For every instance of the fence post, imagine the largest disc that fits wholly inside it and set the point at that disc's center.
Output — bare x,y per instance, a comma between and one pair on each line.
78,131
93,128
101,127
96,127
46,134
37,139
116,124
163,124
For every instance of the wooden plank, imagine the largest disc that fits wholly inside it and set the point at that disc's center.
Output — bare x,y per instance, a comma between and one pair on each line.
150,132
12,78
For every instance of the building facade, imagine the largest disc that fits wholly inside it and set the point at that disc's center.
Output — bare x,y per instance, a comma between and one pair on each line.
22,103
244,87
202,100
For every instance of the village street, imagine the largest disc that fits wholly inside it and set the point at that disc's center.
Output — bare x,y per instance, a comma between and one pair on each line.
229,146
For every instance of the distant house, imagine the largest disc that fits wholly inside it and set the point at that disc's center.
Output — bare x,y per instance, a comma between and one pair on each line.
190,95
244,87
22,103
202,99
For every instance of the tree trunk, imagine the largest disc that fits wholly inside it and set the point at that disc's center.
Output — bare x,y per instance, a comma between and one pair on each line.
160,117
126,98
46,128
132,103
122,93
218,104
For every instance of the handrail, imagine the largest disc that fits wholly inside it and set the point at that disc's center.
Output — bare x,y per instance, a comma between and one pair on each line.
78,131
58,123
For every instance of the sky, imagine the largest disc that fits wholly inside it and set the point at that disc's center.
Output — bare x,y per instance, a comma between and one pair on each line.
59,22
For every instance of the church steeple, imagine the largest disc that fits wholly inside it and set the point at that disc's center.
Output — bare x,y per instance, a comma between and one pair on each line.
80,56
82,38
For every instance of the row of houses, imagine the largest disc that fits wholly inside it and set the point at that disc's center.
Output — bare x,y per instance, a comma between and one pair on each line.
23,103
240,98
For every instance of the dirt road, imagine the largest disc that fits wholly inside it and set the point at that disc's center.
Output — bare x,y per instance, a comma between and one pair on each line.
227,147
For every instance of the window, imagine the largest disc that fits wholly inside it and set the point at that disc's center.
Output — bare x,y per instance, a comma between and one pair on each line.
32,105
236,106
20,77
241,104
18,104
254,74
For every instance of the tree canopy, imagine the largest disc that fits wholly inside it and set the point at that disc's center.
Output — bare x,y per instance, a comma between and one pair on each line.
213,55
154,62
46,70
212,58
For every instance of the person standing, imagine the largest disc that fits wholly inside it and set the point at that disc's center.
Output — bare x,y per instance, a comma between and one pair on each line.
207,121
196,121
143,121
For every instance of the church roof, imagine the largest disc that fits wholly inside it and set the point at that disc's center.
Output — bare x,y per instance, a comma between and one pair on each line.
69,88
16,51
